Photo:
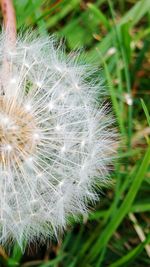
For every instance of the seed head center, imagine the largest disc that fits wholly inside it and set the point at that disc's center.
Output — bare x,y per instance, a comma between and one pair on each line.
17,128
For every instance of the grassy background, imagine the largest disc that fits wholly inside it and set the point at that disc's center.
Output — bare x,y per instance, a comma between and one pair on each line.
116,36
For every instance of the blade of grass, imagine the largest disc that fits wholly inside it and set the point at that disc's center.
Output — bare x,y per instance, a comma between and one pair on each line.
113,96
131,255
97,12
125,51
134,15
123,210
146,111
66,8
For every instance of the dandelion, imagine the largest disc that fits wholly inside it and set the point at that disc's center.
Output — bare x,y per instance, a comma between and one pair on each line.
56,143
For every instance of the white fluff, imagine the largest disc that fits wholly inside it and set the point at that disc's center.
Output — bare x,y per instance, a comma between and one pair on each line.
55,142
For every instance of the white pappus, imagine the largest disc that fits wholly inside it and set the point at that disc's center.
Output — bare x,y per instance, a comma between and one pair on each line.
56,143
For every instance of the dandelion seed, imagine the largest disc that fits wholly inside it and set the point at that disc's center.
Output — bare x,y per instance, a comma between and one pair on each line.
36,136
63,149
83,143
50,105
39,84
28,107
128,99
58,127
13,81
8,148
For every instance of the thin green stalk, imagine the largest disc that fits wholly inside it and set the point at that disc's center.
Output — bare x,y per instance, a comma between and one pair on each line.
123,210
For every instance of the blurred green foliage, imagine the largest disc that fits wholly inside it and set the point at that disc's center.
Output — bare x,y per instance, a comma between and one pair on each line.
116,37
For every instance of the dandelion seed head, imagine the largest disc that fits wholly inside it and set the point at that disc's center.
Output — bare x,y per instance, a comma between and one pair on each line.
56,143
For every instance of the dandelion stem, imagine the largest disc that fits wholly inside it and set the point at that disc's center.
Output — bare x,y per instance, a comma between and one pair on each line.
9,19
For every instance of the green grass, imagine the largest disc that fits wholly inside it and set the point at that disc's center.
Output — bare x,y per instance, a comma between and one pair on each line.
108,237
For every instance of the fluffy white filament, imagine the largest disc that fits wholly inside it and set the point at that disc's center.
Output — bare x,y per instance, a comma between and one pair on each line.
55,143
